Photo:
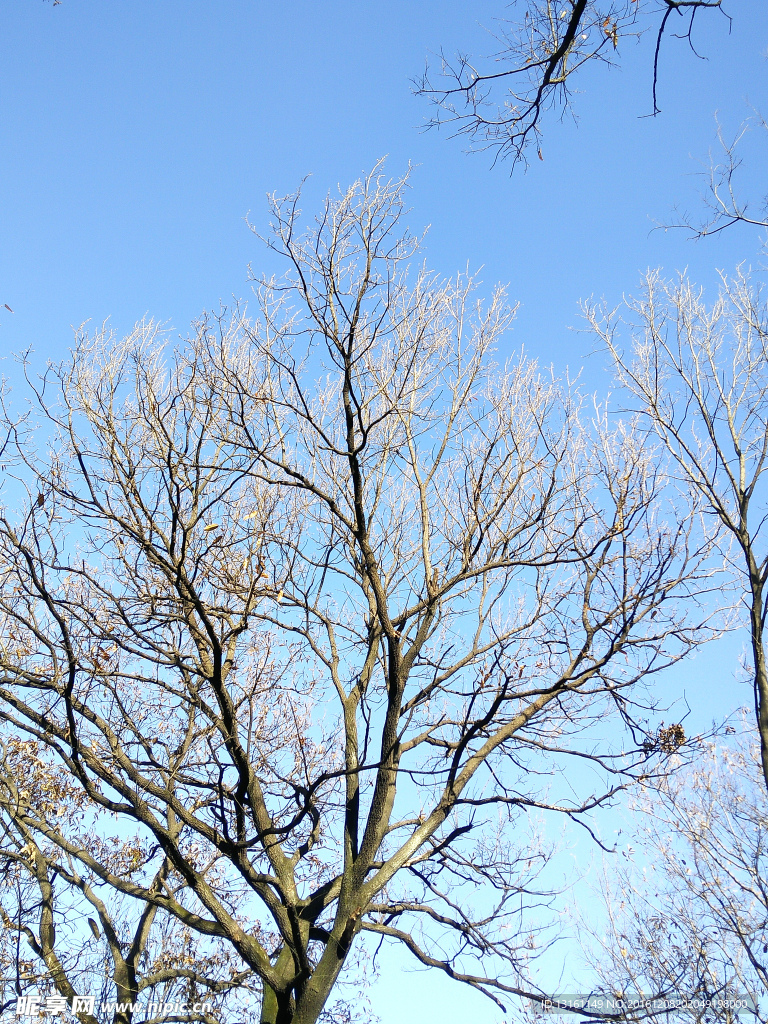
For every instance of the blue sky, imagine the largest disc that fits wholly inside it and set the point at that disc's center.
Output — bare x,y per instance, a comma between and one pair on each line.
137,136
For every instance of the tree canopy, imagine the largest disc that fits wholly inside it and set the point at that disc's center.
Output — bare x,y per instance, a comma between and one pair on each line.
303,619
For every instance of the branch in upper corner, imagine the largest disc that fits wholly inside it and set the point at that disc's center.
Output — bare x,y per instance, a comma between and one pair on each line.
536,61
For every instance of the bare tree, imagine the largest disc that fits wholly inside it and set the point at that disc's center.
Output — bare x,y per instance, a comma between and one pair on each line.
64,935
699,374
498,102
687,909
318,605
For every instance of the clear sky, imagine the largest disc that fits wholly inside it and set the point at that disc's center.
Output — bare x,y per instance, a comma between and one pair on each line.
137,136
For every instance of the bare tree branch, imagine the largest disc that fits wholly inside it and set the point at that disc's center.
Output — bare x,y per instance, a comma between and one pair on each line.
536,61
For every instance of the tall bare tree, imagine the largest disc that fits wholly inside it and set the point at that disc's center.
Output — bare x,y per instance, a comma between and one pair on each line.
498,101
699,374
317,605
687,908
